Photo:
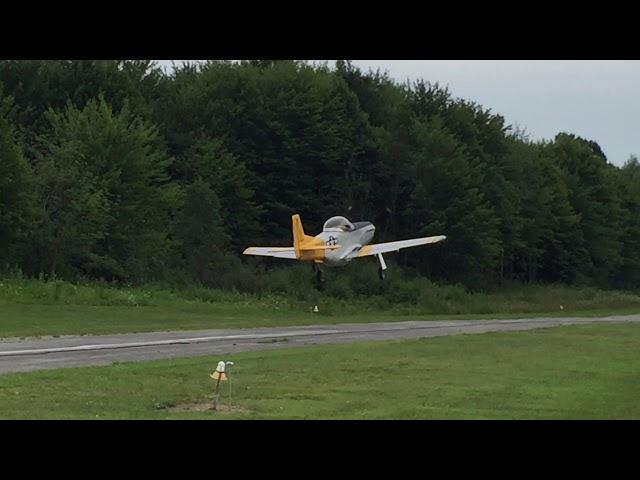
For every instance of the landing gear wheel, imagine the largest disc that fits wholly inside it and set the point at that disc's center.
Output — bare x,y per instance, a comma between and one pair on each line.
380,273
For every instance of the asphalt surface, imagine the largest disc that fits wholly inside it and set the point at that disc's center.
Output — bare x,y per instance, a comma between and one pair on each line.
23,355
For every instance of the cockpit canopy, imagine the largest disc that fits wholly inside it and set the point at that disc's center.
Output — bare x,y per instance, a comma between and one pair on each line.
339,223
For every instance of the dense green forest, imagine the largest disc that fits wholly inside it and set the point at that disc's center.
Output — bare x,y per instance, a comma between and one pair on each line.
117,170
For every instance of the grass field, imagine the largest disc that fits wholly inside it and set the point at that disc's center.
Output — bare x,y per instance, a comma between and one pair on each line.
574,372
35,308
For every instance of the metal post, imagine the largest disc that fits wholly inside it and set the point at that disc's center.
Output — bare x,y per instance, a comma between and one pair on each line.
215,394
229,378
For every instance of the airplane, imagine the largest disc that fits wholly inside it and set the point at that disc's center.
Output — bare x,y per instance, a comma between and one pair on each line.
339,242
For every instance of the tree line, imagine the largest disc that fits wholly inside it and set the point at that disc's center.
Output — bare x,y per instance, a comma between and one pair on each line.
118,170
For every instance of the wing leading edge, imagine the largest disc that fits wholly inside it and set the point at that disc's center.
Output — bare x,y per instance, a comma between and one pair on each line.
377,248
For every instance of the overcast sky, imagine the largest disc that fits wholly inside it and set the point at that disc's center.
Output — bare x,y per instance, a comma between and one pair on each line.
598,100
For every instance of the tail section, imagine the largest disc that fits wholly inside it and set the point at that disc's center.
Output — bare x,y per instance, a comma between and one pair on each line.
307,248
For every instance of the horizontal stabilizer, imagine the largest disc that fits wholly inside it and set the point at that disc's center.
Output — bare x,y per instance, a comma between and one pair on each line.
284,252
279,252
321,247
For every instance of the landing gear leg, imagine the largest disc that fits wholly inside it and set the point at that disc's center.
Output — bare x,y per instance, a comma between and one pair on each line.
319,276
382,267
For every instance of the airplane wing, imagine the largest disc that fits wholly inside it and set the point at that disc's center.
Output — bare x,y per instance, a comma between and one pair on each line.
377,248
280,252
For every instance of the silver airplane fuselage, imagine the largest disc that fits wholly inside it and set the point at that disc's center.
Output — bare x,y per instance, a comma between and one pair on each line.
349,238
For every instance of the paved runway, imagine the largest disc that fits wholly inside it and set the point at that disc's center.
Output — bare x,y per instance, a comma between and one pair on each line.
74,351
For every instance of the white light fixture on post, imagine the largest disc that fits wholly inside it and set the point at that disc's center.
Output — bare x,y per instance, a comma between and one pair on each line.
220,376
